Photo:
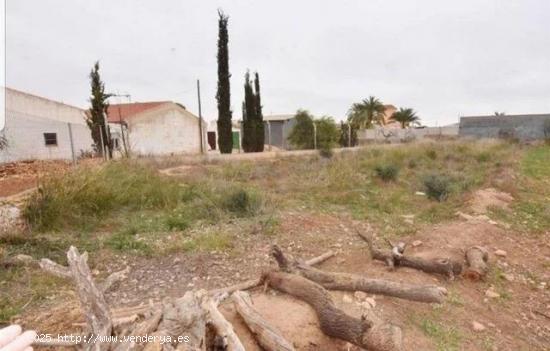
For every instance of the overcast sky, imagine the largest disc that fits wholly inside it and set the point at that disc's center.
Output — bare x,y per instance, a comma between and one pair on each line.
442,58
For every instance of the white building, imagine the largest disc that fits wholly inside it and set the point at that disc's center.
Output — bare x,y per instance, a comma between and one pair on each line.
155,128
39,128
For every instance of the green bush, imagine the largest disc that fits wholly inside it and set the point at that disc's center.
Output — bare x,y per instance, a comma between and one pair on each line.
126,241
82,197
437,187
177,222
240,202
326,151
387,172
431,154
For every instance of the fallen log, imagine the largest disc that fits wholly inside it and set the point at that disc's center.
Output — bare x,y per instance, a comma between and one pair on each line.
355,282
268,337
396,258
91,298
476,259
222,327
333,321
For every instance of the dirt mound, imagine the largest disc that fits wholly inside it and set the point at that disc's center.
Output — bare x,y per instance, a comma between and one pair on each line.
484,199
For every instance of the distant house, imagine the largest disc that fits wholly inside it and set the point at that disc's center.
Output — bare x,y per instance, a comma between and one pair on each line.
277,129
155,128
388,112
521,127
40,128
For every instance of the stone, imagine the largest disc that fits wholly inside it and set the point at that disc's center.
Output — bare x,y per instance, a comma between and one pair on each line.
420,193
370,301
492,294
509,277
478,327
347,299
360,295
501,253
416,243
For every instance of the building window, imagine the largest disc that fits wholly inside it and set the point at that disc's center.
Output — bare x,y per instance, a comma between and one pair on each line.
50,139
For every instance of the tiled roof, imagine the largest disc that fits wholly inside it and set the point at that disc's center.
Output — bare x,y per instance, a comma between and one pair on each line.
117,112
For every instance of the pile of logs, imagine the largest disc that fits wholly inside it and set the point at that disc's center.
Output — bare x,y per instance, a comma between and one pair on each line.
196,316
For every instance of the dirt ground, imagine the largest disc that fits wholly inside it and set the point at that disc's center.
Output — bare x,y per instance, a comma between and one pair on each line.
512,305
16,177
518,320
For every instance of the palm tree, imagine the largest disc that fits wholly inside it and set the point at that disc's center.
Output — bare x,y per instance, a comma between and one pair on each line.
366,113
406,117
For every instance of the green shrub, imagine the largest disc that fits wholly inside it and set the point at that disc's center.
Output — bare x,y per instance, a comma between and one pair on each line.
240,202
177,222
431,154
326,151
387,172
126,241
437,187
83,197
483,156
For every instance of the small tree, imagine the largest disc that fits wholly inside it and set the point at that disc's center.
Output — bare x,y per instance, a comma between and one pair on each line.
301,135
97,114
223,95
327,133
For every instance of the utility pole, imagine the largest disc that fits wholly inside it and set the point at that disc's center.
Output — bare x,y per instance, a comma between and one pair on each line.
314,136
200,115
349,134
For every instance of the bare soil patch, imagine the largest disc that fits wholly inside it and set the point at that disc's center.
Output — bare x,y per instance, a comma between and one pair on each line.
512,321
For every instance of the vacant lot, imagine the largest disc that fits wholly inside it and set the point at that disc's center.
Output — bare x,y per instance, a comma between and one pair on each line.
211,225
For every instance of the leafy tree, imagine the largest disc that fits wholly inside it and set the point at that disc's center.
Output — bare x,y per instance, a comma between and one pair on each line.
97,114
223,95
301,135
260,134
327,132
366,113
345,134
406,117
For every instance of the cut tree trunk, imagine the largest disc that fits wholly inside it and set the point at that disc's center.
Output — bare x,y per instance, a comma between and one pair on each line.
355,282
333,321
268,337
396,258
476,258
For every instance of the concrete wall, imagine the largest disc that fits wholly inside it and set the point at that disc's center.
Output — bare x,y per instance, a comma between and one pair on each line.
28,117
398,135
167,130
522,127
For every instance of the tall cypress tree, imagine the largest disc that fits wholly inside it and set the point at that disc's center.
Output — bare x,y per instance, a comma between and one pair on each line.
258,116
249,116
223,95
98,112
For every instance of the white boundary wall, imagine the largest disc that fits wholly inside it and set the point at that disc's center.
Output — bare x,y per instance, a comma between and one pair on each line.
398,135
